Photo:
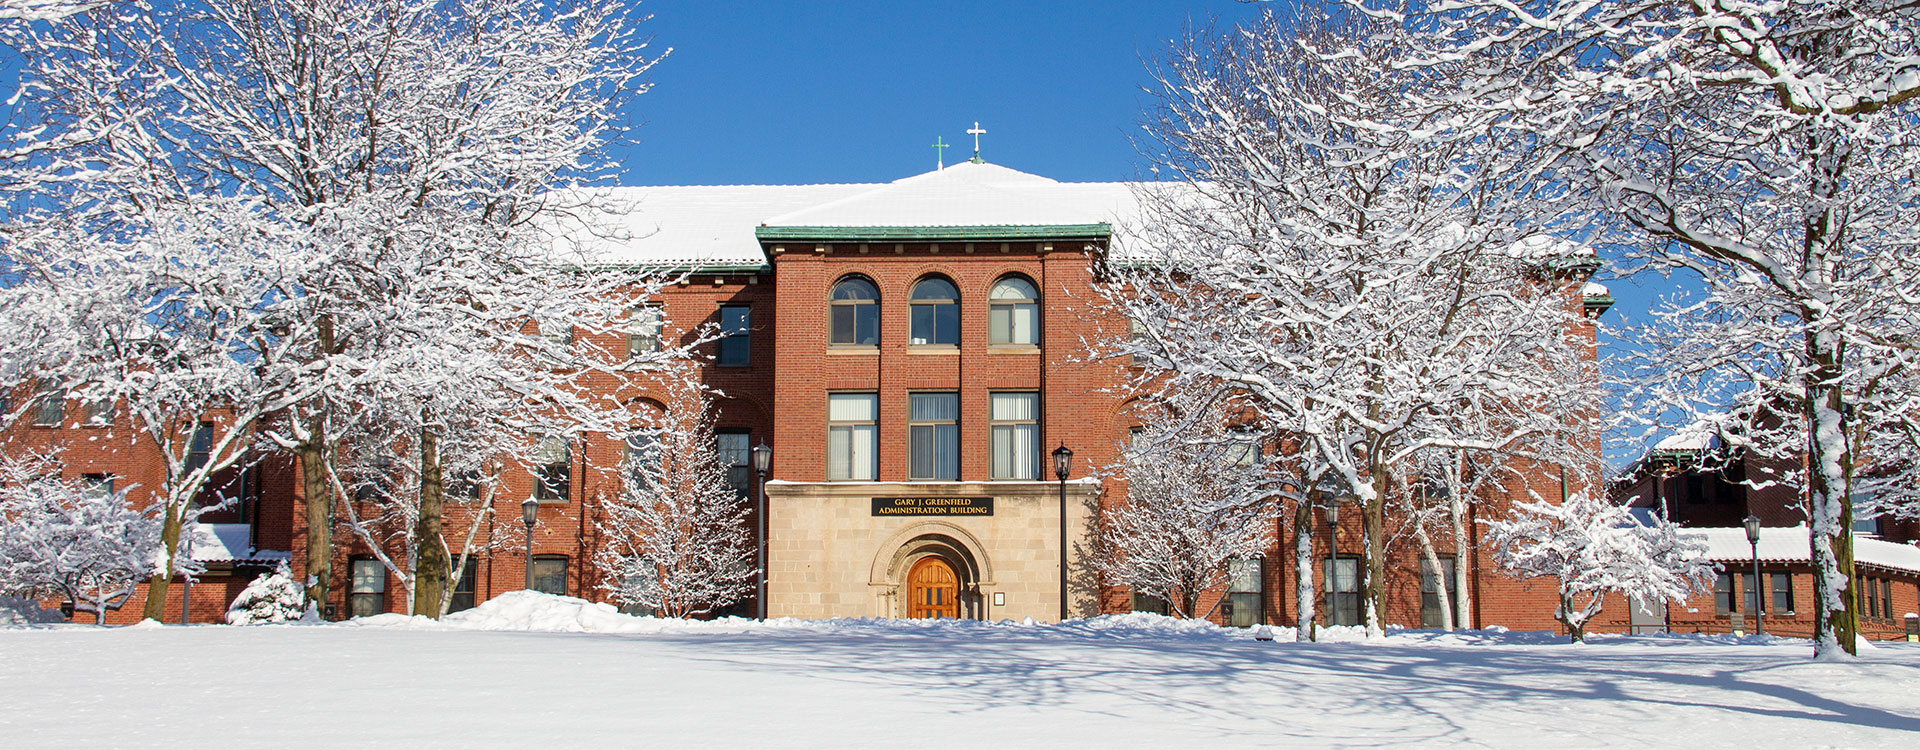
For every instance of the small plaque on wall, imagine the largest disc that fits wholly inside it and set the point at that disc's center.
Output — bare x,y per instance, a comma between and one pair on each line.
933,506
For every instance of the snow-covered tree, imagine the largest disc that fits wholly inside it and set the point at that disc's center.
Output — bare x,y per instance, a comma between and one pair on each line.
84,542
1196,500
413,153
1372,278
274,597
678,536
1591,548
1769,149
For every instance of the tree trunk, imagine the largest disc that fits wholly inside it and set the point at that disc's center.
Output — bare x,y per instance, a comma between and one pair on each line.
430,571
1303,572
1829,470
1576,629
159,583
313,480
1373,522
1457,511
1436,576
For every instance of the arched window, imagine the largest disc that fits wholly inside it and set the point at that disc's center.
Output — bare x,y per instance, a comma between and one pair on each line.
855,303
936,313
1013,313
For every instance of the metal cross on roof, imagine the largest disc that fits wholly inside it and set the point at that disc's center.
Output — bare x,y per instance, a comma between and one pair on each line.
940,153
976,131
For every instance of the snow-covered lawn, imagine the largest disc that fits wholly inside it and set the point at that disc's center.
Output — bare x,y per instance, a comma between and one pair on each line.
1130,681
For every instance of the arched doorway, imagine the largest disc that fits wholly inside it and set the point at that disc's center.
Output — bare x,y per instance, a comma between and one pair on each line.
933,590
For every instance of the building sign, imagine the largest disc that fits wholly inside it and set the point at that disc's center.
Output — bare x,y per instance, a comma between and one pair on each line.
933,506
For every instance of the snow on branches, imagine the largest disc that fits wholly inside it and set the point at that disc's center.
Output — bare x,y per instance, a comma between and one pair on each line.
679,542
74,537
1196,500
1769,149
274,597
1374,280
1591,548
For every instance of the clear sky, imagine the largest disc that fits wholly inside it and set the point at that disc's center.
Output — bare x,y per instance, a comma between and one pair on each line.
765,92
813,92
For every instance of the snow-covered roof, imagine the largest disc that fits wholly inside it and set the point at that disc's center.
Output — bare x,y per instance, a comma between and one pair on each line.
1595,290
1690,439
718,225
971,194
1791,544
226,542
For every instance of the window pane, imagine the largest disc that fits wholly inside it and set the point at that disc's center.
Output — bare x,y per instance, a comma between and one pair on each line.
1782,592
866,325
947,324
1014,289
920,458
733,450
368,577
935,289
843,326
934,407
923,329
1016,407
855,289
1016,451
1243,575
1026,324
852,407
736,324
550,575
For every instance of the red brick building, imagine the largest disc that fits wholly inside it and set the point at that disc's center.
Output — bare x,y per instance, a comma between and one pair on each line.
911,352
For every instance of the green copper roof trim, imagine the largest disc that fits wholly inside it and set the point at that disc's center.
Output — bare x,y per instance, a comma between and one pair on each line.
994,232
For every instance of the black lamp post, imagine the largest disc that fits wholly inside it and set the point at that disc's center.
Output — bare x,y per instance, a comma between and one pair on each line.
1062,466
530,515
1759,590
762,460
1333,560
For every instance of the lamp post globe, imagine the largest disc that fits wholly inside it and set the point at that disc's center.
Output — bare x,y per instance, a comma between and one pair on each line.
530,515
1062,466
1759,589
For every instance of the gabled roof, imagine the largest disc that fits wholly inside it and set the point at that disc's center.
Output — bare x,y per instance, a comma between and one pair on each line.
720,226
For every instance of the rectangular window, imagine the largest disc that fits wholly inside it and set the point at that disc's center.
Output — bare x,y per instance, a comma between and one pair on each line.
199,447
640,576
1863,524
1343,588
1150,603
462,485
99,412
1244,586
366,587
550,574
1431,614
1723,593
734,454
1782,592
553,471
463,585
853,439
98,485
1137,335
643,330
1016,435
51,409
933,436
642,460
1747,592
736,335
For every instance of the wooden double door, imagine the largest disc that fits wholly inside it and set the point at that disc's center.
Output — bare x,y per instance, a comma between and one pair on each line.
933,589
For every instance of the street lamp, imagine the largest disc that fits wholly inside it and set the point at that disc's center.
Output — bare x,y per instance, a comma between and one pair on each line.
762,460
1062,466
1759,590
1333,560
530,515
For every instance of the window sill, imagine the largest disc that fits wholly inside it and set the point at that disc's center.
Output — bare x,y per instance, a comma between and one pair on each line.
932,349
855,350
1013,348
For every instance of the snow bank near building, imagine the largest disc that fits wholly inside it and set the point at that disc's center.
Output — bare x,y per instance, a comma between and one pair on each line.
531,611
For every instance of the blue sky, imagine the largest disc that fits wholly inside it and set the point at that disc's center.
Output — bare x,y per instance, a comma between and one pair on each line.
768,93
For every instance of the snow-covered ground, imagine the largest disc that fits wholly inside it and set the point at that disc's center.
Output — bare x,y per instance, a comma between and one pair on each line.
538,671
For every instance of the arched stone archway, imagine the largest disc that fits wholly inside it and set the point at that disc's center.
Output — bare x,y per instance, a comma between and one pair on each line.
959,550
